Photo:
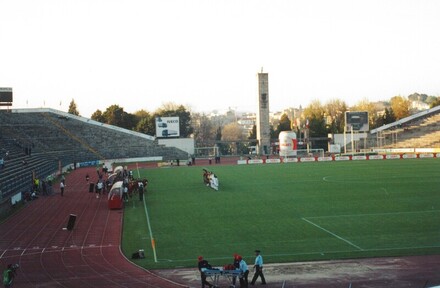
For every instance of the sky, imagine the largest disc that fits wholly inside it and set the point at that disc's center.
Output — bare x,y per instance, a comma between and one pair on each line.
206,54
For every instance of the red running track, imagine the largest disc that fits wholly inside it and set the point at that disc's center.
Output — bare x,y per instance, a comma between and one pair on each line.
87,256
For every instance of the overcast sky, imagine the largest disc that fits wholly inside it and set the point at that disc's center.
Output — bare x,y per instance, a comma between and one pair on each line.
206,54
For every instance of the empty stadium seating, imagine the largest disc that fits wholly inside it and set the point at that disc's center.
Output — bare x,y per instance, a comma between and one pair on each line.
420,133
40,140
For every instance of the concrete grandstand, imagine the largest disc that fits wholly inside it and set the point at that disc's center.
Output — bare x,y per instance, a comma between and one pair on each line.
40,141
420,130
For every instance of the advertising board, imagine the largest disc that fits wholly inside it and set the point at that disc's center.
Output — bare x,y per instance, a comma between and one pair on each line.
167,127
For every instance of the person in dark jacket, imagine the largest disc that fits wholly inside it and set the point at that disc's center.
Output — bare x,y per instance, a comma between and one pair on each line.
203,264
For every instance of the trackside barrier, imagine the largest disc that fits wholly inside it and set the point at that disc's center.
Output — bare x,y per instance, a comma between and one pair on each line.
429,155
290,160
409,156
307,159
393,156
270,161
375,157
340,158
359,157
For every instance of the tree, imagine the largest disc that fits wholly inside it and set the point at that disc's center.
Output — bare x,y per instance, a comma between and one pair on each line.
335,115
253,133
145,122
284,125
432,99
435,103
400,106
218,133
72,108
233,132
315,115
146,126
223,147
204,130
97,116
389,116
115,115
142,114
418,97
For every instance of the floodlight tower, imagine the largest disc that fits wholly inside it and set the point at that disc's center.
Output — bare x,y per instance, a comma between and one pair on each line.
263,129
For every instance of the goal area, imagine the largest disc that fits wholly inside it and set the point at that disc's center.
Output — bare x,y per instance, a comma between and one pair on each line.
301,153
205,152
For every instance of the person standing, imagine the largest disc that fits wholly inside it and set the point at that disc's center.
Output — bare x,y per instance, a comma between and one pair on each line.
236,266
99,187
141,190
258,268
62,188
44,187
203,265
244,269
125,192
49,187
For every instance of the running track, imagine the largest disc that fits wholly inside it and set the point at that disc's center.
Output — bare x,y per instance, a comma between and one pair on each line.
87,256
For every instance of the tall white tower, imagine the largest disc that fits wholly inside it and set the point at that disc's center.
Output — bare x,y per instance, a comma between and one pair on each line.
263,128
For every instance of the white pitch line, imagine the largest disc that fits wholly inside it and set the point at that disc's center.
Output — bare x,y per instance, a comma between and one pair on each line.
374,214
150,230
333,234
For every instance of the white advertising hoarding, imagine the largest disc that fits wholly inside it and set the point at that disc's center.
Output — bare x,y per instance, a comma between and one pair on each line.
167,127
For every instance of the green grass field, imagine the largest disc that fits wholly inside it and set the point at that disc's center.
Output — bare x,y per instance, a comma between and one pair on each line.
292,212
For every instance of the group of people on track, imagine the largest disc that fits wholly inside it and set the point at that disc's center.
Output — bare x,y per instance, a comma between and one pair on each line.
240,265
130,184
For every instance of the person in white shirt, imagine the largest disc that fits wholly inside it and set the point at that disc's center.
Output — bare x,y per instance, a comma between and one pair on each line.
62,188
213,181
99,187
125,193
258,268
244,269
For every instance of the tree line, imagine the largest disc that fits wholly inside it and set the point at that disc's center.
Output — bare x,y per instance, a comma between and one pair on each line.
320,119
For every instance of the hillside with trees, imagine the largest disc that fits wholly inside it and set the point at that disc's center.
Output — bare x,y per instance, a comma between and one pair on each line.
320,118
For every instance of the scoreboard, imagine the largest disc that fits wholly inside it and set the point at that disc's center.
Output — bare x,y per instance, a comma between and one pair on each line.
5,96
358,121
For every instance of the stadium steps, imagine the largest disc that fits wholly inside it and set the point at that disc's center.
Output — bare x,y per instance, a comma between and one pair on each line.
56,138
421,134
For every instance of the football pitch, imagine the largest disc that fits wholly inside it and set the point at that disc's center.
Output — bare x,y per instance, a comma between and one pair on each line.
291,212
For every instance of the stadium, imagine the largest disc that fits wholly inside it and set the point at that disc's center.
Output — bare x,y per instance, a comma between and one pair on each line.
359,220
